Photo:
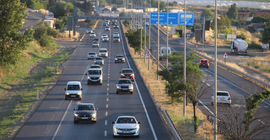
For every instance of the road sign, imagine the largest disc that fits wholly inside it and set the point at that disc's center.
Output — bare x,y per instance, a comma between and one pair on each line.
173,18
196,46
145,53
189,19
225,56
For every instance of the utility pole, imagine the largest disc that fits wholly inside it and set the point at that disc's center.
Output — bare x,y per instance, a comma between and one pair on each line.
203,32
149,52
185,65
144,31
158,41
167,32
141,33
215,75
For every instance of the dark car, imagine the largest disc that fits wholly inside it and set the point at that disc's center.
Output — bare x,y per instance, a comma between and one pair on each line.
127,73
119,58
204,63
116,26
85,112
124,85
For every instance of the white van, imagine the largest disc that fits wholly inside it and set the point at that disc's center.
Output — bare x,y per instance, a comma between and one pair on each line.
163,52
103,52
73,90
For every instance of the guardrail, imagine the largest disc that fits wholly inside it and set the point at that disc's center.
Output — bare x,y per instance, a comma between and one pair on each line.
170,124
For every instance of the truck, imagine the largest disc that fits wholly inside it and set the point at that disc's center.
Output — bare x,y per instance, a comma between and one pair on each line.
239,46
50,22
163,52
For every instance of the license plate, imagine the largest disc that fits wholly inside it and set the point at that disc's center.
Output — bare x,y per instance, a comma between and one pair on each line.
72,95
84,118
125,132
125,88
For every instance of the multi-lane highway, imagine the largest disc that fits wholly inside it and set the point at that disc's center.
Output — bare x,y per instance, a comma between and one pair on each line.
53,119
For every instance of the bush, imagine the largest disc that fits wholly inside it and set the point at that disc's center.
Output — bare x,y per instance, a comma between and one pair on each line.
241,36
61,23
254,45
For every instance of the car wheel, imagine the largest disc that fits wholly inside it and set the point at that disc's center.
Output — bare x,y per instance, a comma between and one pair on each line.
207,66
66,97
212,103
100,83
116,92
88,83
131,92
75,121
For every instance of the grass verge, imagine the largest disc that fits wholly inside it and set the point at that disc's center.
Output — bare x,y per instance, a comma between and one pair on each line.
182,123
19,84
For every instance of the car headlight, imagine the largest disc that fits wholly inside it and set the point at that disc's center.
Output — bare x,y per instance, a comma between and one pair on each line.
94,61
79,92
99,54
88,77
131,86
76,115
122,74
115,58
67,93
117,86
123,58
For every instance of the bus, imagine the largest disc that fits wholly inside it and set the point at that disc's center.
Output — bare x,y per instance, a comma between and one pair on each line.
49,15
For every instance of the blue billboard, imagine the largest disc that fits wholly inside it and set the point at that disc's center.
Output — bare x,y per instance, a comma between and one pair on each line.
189,19
173,18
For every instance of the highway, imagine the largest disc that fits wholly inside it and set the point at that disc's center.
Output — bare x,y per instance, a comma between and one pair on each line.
31,20
53,119
237,87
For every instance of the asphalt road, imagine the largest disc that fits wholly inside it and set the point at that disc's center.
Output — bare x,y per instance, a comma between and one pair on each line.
54,117
31,20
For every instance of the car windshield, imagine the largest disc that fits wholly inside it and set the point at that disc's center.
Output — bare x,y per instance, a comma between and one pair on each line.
116,33
95,42
126,120
85,107
102,50
92,33
203,60
127,71
95,66
104,35
73,87
165,50
96,39
98,58
94,72
92,53
124,82
119,56
116,37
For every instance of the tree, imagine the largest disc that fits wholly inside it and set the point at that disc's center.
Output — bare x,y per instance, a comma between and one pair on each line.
51,3
245,123
208,6
174,3
102,2
61,8
261,19
232,12
222,23
86,6
162,5
13,42
34,4
134,39
208,14
122,14
61,23
265,36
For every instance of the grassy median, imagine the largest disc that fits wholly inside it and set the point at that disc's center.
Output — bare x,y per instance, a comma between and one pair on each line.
38,69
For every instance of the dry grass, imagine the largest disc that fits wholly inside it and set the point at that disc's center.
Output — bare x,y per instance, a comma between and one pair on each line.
156,88
43,11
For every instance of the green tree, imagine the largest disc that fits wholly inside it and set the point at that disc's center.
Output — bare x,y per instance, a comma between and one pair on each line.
13,42
174,3
102,2
86,6
261,19
61,23
162,5
208,6
265,36
34,4
232,12
122,14
61,8
208,14
134,39
222,23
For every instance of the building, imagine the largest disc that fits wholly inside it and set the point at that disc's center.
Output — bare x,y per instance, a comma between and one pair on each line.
243,14
261,12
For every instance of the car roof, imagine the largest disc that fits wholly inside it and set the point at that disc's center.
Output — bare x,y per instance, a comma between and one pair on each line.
73,82
95,65
99,57
85,104
126,69
223,91
123,79
204,59
102,48
165,47
119,54
125,117
94,69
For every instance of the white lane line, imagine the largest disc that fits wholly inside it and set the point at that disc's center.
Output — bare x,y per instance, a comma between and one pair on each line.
107,93
207,84
67,110
61,121
203,81
108,84
106,113
145,110
107,88
105,133
108,77
105,122
107,99
107,105
108,74
108,81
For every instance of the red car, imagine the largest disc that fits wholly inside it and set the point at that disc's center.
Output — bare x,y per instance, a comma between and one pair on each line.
127,73
204,63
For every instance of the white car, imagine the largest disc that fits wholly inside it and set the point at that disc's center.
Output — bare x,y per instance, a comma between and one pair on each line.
107,28
92,55
146,23
116,34
99,61
104,35
126,126
32,10
105,39
89,31
223,97
95,66
93,34
103,52
73,90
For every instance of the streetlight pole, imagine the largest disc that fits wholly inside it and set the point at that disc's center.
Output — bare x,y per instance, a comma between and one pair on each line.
158,41
149,52
144,31
185,53
215,75
141,32
167,32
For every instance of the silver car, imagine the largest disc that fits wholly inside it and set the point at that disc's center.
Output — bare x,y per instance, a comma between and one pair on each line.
116,34
104,35
105,39
107,28
85,112
99,60
95,44
119,58
126,126
92,34
116,39
94,75
92,55
124,85
103,52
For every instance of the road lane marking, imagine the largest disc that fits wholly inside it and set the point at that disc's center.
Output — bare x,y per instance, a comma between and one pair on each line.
145,110
106,105
108,81
107,88
105,122
207,84
107,93
108,84
108,74
108,77
107,99
105,133
106,113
